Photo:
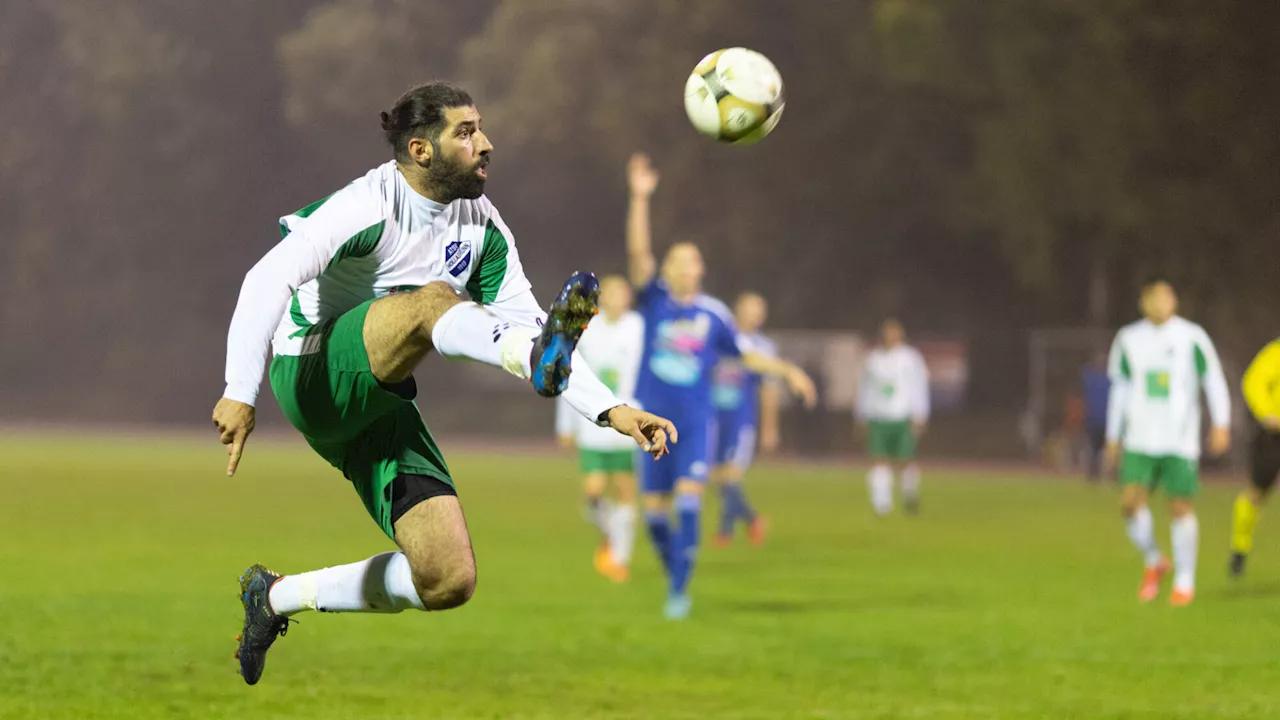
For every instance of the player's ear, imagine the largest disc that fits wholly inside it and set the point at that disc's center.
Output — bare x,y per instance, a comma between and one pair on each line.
420,150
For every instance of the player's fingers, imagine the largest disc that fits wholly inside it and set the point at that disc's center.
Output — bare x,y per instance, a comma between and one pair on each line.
237,448
227,436
669,428
659,444
638,435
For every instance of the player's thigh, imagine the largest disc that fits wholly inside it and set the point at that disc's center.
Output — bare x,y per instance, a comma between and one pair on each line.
1137,476
434,538
1179,478
880,443
594,482
395,445
1264,461
397,329
624,485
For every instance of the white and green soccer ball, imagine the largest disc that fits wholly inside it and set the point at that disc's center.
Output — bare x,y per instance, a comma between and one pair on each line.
735,96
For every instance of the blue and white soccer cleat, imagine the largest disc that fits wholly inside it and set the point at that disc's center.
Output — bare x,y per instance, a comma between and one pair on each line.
567,317
678,607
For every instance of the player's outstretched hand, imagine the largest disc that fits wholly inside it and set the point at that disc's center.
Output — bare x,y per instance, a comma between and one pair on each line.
1272,423
801,384
641,177
234,421
651,432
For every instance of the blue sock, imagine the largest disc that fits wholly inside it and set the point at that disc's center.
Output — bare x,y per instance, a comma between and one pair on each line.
685,548
660,533
730,507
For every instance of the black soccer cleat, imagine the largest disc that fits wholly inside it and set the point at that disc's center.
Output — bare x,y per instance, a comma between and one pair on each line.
261,625
551,358
1236,567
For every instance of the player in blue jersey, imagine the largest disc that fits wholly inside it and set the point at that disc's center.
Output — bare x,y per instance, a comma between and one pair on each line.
686,334
746,412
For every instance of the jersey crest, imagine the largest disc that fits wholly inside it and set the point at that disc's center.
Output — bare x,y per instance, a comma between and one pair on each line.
457,257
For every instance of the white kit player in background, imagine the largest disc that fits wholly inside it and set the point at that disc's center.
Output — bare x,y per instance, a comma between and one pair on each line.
1158,366
892,413
611,346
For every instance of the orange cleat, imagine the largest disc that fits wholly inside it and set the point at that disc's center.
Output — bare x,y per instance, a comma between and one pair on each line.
610,568
1182,598
1151,581
758,530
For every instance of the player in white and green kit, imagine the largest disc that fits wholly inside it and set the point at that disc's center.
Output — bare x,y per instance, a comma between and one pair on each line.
362,286
1158,367
611,347
892,412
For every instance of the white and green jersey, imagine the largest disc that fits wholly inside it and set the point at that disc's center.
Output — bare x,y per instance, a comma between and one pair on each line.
612,350
1157,373
374,237
894,386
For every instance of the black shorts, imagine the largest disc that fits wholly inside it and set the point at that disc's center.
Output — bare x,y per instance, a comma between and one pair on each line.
410,490
1264,458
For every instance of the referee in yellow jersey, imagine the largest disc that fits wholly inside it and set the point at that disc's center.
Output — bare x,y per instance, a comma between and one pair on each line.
1261,389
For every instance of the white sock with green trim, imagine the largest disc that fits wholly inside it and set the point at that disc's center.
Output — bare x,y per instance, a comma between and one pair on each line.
1141,530
1185,532
470,331
880,488
381,584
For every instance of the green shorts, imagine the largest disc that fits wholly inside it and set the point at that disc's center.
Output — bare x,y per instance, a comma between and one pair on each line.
892,440
611,461
369,431
1178,476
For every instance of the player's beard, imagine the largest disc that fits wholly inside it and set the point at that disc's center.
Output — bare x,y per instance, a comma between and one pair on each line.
453,180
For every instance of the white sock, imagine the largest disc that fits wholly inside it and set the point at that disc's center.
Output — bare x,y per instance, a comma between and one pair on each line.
622,532
470,331
880,487
1186,544
381,584
1141,531
911,482
598,514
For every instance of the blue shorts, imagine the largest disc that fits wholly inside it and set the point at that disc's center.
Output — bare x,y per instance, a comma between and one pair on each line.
735,443
689,459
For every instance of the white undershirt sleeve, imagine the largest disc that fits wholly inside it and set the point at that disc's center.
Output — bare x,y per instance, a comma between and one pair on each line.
1118,372
264,295
920,408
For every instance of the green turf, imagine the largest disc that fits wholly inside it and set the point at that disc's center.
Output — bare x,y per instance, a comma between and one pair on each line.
1008,598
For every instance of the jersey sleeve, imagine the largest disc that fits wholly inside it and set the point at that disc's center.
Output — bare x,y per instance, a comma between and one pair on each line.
1260,381
725,333
348,223
1120,374
564,418
920,405
1213,380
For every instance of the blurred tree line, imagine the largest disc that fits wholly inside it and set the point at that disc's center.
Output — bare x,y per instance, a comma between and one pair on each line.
977,168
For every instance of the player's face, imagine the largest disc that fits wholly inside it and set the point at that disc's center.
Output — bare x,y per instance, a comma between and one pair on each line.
891,335
615,296
1159,302
683,269
460,157
751,313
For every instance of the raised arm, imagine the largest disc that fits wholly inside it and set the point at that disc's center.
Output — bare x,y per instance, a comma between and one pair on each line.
642,179
797,380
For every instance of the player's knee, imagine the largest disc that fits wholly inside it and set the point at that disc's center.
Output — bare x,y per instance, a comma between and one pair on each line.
689,487
655,503
1131,502
625,485
443,588
1181,507
434,299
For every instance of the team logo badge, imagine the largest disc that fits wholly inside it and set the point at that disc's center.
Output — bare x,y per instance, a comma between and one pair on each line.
457,257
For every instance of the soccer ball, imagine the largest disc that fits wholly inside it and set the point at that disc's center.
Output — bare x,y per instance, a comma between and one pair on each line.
735,96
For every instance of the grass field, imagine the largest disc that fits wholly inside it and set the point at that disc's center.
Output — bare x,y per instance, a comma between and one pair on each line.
1008,598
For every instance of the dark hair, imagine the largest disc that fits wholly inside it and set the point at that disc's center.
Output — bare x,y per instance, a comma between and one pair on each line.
420,113
1151,281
